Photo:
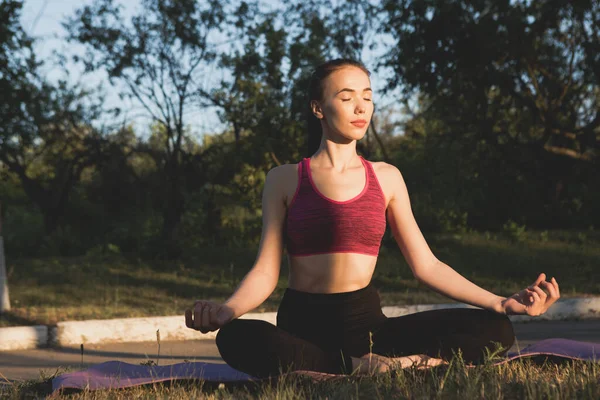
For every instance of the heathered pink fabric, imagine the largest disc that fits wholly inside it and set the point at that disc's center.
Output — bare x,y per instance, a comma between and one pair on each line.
316,224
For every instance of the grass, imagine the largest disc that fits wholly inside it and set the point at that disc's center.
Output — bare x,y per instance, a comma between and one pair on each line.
533,378
50,290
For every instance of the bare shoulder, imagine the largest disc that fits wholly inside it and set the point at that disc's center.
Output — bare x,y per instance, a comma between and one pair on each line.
285,176
383,167
389,178
280,172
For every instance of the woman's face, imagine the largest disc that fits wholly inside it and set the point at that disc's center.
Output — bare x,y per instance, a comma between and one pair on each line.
347,106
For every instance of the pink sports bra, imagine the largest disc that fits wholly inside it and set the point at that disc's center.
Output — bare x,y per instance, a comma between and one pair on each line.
316,224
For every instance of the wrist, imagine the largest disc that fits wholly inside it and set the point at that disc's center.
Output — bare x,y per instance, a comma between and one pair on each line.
234,309
498,305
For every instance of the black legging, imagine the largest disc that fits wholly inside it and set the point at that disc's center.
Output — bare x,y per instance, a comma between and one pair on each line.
320,332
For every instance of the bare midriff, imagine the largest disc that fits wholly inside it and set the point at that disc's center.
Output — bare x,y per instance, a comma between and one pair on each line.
330,273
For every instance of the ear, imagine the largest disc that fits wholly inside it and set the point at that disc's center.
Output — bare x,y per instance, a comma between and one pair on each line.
316,109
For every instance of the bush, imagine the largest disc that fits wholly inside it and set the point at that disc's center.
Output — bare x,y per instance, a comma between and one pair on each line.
23,230
514,231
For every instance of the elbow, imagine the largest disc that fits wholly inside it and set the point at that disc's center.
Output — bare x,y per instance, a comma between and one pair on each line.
420,277
271,287
421,272
270,281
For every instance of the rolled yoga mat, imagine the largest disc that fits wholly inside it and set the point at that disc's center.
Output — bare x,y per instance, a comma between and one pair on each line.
116,374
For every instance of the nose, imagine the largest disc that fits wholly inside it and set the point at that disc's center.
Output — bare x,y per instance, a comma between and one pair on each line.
360,108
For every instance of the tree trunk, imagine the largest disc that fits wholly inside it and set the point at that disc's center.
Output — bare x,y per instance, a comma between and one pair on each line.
173,210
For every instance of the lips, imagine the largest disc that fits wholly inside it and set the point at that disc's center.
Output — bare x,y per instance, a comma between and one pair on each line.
360,123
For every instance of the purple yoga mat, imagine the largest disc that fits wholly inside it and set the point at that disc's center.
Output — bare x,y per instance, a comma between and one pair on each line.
116,374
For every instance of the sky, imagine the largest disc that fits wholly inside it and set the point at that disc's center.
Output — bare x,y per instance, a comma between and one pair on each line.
42,19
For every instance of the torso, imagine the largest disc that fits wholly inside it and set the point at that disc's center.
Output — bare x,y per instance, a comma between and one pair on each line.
334,272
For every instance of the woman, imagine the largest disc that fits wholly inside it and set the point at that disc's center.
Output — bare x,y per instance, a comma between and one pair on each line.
330,211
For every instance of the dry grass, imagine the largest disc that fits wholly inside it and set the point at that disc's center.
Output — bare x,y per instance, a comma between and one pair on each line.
46,291
520,379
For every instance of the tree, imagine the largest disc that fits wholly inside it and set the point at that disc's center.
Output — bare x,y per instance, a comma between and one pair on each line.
46,135
162,60
511,71
516,83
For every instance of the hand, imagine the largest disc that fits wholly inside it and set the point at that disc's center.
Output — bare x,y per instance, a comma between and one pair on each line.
207,316
533,300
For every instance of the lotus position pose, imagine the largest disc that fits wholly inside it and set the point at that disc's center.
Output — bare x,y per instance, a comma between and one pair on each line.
330,211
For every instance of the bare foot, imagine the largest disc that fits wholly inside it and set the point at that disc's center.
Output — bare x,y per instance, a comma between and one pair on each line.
420,361
372,363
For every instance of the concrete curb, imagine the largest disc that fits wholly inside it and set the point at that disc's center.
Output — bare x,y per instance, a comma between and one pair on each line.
563,309
74,333
23,337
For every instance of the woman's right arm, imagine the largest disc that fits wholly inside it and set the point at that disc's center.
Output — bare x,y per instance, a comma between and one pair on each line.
261,280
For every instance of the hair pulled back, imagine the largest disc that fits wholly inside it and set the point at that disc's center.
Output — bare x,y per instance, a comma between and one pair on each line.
315,92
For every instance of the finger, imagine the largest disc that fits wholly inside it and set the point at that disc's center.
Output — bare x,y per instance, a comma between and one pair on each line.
527,295
200,304
205,318
540,293
551,289
556,286
536,308
213,317
197,318
210,323
189,322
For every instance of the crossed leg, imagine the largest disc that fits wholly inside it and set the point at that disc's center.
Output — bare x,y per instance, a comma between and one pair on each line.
428,338
433,337
261,349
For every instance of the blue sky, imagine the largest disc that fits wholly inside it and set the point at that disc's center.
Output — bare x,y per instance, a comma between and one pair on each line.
42,20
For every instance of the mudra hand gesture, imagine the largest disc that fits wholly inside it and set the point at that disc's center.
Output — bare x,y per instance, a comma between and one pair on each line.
207,316
533,300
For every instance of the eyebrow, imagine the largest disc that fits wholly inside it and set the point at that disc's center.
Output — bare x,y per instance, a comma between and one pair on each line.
352,90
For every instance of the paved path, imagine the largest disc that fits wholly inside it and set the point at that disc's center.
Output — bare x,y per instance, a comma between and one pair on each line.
29,364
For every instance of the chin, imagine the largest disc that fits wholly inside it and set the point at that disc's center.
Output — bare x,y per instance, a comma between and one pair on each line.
360,135
353,136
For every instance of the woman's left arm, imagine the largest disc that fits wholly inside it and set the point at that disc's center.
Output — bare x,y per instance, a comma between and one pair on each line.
441,277
445,280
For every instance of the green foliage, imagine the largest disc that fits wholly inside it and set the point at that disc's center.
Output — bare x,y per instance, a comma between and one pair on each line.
46,135
22,229
514,230
61,241
501,128
100,251
159,56
508,88
512,73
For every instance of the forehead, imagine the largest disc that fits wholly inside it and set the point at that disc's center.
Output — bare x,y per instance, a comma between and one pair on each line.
347,77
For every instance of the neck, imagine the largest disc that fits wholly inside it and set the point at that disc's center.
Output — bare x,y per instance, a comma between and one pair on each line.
336,155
